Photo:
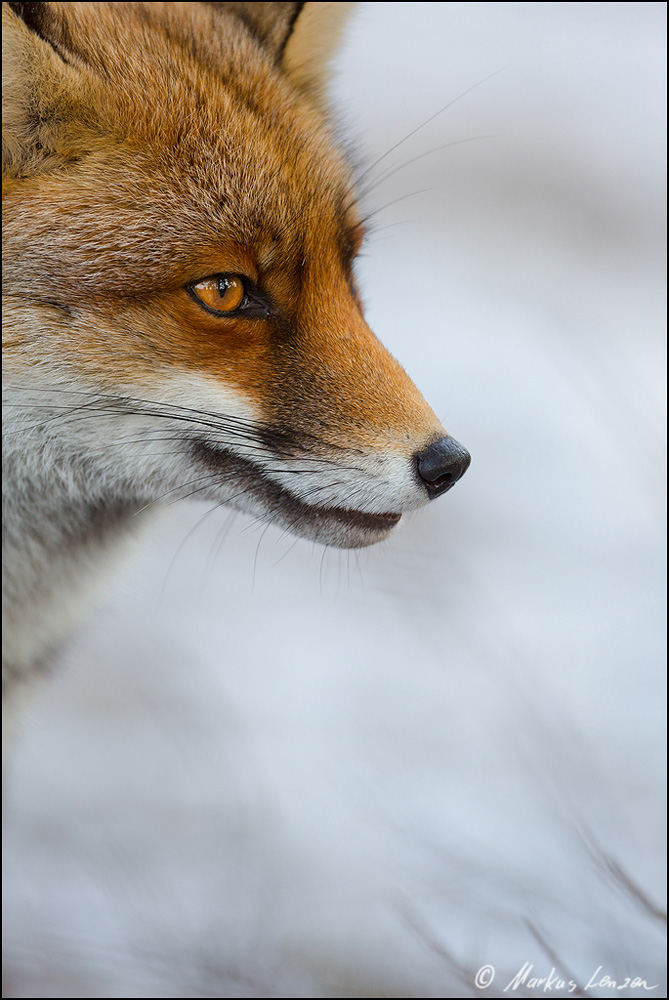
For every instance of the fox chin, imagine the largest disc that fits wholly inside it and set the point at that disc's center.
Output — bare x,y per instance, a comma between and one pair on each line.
180,309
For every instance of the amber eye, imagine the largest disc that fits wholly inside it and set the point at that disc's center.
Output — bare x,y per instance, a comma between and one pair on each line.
222,293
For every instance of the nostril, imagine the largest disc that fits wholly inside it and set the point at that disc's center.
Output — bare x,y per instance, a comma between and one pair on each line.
442,464
448,479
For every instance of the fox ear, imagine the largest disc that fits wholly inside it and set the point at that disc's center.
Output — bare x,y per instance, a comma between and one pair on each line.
301,36
37,87
314,36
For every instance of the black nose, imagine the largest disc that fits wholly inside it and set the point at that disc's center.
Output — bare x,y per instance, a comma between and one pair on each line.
442,464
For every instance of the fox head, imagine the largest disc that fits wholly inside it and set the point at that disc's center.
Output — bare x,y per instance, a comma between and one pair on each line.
180,309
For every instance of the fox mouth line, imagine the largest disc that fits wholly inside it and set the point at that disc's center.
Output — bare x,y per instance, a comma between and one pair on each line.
331,525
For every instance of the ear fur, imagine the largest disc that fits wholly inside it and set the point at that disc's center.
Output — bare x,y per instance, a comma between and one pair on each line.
310,46
36,82
270,23
301,36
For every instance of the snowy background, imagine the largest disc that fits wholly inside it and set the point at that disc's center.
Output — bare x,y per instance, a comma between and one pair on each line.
266,769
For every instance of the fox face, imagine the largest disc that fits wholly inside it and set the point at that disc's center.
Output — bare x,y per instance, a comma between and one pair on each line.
181,313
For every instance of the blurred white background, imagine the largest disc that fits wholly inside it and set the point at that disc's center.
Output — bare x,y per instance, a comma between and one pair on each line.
270,770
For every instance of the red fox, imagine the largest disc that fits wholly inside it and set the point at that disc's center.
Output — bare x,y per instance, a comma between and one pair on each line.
180,312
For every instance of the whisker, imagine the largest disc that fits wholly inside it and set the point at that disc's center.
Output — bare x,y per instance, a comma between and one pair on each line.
214,481
174,489
231,425
180,547
255,558
288,550
402,197
216,548
391,171
427,121
320,571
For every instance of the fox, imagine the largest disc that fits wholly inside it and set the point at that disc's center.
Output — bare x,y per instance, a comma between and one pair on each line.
181,314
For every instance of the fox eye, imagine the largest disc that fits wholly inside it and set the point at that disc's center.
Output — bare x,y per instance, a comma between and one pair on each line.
222,293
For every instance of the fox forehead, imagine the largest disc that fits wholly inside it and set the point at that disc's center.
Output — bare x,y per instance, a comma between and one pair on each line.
184,148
